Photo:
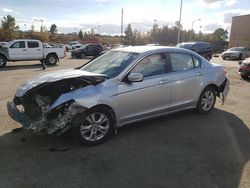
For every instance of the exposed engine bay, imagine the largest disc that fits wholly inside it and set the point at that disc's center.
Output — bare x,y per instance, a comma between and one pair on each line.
33,109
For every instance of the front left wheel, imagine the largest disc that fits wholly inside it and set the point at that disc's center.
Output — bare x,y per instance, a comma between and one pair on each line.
206,101
93,127
2,62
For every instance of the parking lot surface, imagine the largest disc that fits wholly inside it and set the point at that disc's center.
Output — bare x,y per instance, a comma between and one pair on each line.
178,150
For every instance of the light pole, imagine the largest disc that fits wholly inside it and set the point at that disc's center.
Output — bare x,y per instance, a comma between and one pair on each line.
193,27
179,27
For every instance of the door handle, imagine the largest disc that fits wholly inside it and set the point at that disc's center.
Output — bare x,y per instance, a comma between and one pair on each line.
199,74
38,49
164,81
24,50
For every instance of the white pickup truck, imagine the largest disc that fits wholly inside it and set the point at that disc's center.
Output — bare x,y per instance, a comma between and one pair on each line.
28,49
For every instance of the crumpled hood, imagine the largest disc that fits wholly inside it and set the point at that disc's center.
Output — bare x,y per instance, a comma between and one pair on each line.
52,77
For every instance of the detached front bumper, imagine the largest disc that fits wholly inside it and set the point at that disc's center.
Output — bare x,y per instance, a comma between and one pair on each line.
16,115
46,125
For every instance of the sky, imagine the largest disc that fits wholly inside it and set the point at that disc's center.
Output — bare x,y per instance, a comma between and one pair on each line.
104,16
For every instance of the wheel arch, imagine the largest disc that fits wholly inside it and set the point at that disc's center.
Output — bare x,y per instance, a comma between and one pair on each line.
109,108
216,88
52,53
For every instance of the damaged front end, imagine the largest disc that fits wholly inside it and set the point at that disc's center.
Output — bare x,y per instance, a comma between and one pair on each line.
39,110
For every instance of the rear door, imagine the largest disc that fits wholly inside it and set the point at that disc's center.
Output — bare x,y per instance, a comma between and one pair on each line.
18,51
186,79
34,50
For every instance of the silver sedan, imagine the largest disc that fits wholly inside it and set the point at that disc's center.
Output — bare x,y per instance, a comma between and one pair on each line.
124,85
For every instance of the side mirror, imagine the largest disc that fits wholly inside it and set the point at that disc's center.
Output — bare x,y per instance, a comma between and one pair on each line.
135,77
240,62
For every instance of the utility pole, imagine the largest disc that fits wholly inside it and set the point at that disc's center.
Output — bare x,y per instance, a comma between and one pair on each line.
122,23
179,28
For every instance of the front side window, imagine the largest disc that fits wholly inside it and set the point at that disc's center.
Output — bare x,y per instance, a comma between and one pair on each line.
33,44
110,64
19,44
151,65
181,61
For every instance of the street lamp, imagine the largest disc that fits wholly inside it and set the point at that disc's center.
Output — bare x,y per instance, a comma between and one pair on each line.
179,28
193,27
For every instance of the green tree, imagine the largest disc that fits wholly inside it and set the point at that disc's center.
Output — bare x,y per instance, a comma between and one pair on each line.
53,30
129,35
220,34
80,34
9,26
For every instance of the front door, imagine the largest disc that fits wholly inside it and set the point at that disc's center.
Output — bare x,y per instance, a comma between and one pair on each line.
143,99
18,51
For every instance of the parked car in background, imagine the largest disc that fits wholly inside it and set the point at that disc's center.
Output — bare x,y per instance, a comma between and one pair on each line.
202,48
124,85
3,43
29,49
236,53
244,70
87,50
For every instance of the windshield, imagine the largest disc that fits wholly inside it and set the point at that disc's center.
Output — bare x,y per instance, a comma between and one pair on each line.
110,64
186,46
236,49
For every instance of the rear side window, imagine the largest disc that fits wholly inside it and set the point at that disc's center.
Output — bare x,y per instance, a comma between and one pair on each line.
19,44
33,44
197,62
181,61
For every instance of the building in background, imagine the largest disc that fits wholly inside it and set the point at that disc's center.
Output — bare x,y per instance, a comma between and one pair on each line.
240,31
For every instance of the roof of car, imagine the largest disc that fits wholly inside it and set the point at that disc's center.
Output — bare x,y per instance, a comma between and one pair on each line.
141,49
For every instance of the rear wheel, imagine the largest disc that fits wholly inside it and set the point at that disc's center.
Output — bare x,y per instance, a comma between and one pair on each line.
2,61
208,57
51,59
206,101
240,57
94,127
83,55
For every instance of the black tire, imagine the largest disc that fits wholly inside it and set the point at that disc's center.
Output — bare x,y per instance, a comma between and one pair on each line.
208,57
240,57
223,58
206,104
83,129
83,55
2,62
244,77
51,59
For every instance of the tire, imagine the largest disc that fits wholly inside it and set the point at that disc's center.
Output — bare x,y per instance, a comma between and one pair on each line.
240,57
2,62
244,77
86,129
224,58
51,59
208,57
83,55
206,101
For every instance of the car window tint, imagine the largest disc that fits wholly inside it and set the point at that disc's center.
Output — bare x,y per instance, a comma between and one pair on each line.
181,61
151,65
20,44
33,44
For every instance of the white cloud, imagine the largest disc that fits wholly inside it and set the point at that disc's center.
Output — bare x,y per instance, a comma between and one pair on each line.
7,10
214,4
